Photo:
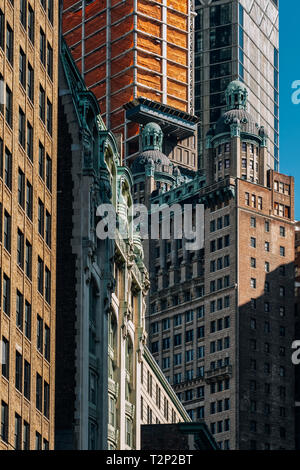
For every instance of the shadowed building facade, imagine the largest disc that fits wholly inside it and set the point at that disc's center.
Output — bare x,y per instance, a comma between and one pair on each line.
221,318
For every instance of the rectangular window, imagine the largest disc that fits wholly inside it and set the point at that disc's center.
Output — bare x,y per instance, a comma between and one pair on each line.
42,47
9,44
48,285
22,68
49,172
39,334
5,358
6,295
27,379
30,26
42,104
49,117
41,217
46,399
8,106
47,343
29,200
19,310
22,128
27,320
39,392
2,29
4,421
50,11
29,141
48,229
20,249
49,60
26,436
38,441
21,188
30,82
7,231
23,12
40,275
18,377
41,160
28,259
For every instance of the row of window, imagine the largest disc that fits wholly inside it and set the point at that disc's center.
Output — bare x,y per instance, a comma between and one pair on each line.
220,283
254,387
220,263
267,428
267,246
219,223
219,243
256,201
159,398
282,188
267,327
219,406
23,379
21,439
267,368
220,426
219,345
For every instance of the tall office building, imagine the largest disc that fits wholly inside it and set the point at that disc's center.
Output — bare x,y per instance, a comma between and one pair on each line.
28,140
221,318
237,39
138,52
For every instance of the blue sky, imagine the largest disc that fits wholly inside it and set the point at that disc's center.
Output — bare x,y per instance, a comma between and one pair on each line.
289,47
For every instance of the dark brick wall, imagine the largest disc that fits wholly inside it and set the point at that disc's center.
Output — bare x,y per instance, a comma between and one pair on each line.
66,295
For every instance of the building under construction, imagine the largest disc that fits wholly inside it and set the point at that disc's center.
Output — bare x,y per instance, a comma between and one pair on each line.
136,57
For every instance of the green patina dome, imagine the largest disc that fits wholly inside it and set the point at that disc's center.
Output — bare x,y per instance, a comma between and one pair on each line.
152,137
236,95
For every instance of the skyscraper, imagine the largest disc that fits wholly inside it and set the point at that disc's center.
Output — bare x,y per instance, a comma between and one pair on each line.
221,318
28,140
138,52
238,39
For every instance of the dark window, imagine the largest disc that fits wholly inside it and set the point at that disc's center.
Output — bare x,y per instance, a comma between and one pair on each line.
39,334
5,357
50,11
28,259
8,106
48,229
31,24
49,117
42,104
39,392
49,172
4,421
41,160
18,371
27,379
22,128
38,441
47,343
2,29
22,68
46,399
6,294
19,310
9,44
41,218
30,82
27,320
23,12
26,436
21,188
29,200
48,285
40,275
29,140
7,231
18,424
42,46
49,60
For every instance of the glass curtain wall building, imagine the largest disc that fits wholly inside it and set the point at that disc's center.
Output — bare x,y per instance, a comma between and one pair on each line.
238,39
